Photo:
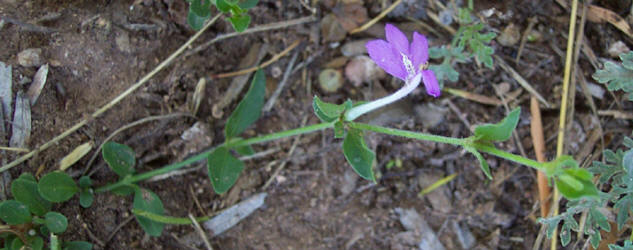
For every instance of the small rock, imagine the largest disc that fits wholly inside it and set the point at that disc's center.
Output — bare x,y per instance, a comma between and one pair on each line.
429,114
535,36
412,221
351,16
331,29
596,90
464,236
440,197
617,48
363,69
196,138
30,57
349,182
123,42
337,62
510,35
355,48
330,80
409,8
446,16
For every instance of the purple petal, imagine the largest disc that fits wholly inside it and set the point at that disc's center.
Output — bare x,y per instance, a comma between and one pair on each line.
430,83
419,50
382,53
397,39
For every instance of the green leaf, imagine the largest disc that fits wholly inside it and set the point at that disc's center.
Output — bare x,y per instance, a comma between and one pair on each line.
14,212
622,208
327,112
482,161
500,131
245,150
358,154
240,22
223,169
196,22
200,8
247,4
627,162
149,201
85,182
123,190
25,190
35,242
77,245
119,157
16,244
223,6
86,197
249,109
445,72
56,222
628,245
576,183
57,187
617,77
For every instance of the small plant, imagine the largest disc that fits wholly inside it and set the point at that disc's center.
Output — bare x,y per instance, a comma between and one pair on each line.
404,60
617,173
618,76
28,217
200,12
469,42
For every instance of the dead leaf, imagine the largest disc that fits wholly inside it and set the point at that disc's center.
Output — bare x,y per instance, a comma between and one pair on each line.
75,155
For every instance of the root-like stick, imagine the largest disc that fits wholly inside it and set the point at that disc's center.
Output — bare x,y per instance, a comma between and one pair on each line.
273,98
536,129
115,101
377,18
201,232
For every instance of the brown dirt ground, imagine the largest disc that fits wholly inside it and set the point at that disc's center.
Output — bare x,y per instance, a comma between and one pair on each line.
317,202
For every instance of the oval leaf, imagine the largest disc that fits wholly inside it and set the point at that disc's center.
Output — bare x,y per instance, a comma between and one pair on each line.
247,4
77,245
500,131
149,201
56,222
249,109
86,197
36,243
200,7
196,22
358,154
85,182
240,22
483,164
119,157
327,112
25,190
576,183
223,169
14,212
245,150
57,187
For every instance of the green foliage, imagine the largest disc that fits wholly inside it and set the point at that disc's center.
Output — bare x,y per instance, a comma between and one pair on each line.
245,150
14,212
328,112
86,195
77,245
618,76
24,189
120,158
617,172
57,187
223,169
500,131
628,245
358,154
147,200
249,109
576,183
482,161
199,12
56,222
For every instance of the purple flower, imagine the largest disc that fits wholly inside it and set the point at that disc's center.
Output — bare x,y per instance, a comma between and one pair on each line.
403,60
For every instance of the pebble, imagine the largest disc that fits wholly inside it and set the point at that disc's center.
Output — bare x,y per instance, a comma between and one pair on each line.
617,48
31,57
355,48
330,80
363,69
510,35
123,42
331,29
430,115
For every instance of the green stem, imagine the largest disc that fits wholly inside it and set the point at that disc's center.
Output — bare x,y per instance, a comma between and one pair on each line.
449,140
410,134
508,156
168,219
201,156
